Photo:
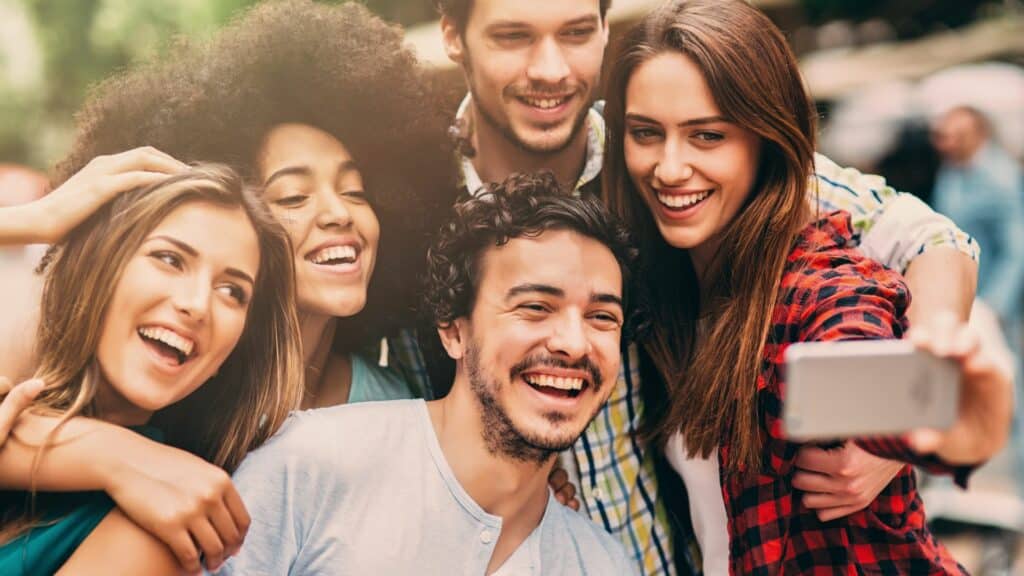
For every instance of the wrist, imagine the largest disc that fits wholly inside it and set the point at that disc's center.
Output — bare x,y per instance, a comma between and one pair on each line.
120,461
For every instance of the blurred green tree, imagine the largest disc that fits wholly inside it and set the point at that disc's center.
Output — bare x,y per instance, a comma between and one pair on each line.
83,41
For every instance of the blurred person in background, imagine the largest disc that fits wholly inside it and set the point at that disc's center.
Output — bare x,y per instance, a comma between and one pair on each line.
981,186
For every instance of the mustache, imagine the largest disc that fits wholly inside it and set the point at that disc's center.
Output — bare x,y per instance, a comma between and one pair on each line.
545,89
543,360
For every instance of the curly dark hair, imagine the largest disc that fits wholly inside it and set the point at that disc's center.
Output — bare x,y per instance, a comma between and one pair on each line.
338,68
524,205
458,10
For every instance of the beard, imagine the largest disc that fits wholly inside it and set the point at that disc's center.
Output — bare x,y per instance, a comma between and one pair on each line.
501,436
504,126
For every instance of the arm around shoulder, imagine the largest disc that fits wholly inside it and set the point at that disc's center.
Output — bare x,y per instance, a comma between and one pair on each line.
119,546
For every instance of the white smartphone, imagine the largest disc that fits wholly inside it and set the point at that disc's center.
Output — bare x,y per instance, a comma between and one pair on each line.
844,389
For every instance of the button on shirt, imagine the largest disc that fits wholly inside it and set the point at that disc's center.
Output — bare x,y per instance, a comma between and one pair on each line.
365,489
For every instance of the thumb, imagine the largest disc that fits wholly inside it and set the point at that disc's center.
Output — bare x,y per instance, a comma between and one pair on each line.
15,403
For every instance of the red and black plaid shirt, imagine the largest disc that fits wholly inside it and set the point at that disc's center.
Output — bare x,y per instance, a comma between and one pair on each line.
829,292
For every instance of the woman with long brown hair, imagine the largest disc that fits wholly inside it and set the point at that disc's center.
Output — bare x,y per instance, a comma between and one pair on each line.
171,307
711,144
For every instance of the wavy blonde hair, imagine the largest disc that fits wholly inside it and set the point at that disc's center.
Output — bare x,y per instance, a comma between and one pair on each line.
255,388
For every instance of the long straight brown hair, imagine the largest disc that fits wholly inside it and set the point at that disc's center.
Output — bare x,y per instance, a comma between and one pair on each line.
710,391
254,389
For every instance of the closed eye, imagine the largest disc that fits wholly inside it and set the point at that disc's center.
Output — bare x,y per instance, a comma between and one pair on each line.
356,195
289,201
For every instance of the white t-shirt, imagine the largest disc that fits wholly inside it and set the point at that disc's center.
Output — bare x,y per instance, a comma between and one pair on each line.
365,489
707,509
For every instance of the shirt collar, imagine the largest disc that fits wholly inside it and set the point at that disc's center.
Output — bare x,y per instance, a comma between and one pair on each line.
595,146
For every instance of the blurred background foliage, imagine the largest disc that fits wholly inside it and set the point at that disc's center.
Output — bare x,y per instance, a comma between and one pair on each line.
52,51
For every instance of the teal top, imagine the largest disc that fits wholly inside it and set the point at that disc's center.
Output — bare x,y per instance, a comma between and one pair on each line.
69,516
371,383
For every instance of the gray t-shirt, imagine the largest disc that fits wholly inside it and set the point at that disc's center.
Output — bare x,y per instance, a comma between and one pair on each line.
365,489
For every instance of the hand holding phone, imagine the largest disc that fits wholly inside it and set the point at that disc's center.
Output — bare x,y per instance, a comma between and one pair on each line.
867,388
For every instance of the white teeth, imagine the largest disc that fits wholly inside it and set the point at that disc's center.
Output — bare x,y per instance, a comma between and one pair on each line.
172,339
682,201
545,103
333,253
555,382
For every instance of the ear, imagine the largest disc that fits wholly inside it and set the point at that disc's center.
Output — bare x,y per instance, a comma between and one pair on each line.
604,31
455,337
452,40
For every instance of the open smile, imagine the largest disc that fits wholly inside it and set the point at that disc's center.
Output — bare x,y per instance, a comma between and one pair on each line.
682,204
171,347
557,384
340,257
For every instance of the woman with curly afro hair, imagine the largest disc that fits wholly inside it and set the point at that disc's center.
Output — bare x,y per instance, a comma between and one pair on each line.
324,108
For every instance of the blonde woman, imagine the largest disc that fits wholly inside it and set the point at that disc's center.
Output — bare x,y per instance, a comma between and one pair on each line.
170,310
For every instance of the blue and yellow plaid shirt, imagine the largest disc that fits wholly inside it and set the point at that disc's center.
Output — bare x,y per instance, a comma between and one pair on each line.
616,471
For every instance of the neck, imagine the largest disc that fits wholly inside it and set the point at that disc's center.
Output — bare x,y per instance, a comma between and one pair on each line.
497,157
317,333
512,489
112,407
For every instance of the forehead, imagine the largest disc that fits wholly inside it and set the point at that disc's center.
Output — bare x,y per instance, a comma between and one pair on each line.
222,235
535,13
299,145
576,264
670,73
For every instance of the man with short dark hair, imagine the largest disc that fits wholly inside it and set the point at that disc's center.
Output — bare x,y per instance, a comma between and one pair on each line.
532,68
527,287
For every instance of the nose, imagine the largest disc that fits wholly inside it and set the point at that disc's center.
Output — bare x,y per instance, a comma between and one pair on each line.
674,166
192,298
569,338
331,209
547,63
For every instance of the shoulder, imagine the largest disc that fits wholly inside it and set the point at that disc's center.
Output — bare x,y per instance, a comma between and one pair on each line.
119,546
830,178
331,439
827,277
596,551
825,256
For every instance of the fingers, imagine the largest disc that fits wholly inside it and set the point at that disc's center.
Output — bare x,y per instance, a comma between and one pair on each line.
558,479
829,514
209,542
145,159
817,483
815,459
225,526
239,515
818,501
185,551
14,403
925,440
5,385
131,180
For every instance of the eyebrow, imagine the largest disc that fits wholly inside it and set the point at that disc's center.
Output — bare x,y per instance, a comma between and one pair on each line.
184,247
692,122
500,24
303,170
603,298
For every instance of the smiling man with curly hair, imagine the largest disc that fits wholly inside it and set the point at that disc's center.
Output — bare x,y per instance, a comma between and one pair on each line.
526,286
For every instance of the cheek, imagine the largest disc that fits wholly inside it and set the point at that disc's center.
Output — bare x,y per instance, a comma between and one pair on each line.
297,224
229,324
368,226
